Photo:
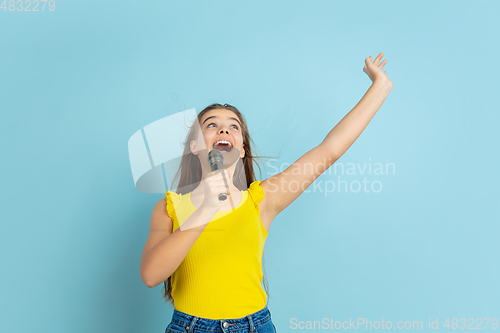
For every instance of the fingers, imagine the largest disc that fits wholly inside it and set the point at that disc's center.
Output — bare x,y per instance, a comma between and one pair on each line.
377,60
219,177
217,181
368,62
221,189
219,173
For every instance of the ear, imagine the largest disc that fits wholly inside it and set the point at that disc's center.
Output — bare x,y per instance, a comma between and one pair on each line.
192,146
242,154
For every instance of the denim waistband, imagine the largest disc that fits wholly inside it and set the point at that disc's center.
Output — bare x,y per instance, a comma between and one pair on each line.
190,322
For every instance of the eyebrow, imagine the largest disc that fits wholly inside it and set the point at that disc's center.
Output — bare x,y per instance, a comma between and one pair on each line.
218,117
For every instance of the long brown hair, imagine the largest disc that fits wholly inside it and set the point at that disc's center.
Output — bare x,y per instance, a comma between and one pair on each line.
189,173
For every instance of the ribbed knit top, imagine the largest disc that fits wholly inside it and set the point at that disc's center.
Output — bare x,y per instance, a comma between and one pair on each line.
220,277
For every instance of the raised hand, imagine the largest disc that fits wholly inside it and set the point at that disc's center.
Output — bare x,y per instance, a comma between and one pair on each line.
374,69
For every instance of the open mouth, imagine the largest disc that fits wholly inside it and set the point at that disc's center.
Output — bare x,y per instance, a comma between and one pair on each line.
223,147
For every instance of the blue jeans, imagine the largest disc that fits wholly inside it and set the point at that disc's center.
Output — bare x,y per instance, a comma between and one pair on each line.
257,322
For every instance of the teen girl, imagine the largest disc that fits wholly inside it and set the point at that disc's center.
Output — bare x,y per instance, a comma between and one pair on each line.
212,271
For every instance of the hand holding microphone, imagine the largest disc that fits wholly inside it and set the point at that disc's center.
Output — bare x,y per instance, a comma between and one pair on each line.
216,188
216,160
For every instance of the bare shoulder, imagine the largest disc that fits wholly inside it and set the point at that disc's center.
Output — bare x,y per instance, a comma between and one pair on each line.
160,220
162,202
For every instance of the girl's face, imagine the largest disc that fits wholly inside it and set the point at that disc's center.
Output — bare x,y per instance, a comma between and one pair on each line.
217,125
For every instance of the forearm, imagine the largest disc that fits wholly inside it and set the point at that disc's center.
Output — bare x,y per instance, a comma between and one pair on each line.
347,131
163,259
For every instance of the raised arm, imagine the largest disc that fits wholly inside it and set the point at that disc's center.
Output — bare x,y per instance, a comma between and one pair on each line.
283,188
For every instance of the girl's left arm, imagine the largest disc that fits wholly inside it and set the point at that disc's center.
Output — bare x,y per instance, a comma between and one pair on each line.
283,188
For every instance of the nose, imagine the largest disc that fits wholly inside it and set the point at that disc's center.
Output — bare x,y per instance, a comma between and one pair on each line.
225,131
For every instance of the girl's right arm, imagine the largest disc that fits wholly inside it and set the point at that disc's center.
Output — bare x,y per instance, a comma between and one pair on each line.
164,249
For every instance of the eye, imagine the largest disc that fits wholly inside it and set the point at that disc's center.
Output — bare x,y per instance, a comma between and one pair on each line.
236,126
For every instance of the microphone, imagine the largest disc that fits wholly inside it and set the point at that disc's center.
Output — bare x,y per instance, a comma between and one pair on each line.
215,159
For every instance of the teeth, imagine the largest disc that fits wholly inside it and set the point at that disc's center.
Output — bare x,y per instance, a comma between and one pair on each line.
222,141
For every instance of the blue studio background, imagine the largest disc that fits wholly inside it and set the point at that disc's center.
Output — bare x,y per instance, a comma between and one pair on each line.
78,81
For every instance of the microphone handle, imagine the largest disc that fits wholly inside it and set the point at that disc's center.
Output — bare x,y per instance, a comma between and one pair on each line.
216,164
223,196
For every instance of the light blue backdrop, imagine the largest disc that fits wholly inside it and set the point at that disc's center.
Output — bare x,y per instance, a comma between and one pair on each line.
77,82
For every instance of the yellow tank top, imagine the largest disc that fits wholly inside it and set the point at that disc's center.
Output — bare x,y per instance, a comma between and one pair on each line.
220,277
